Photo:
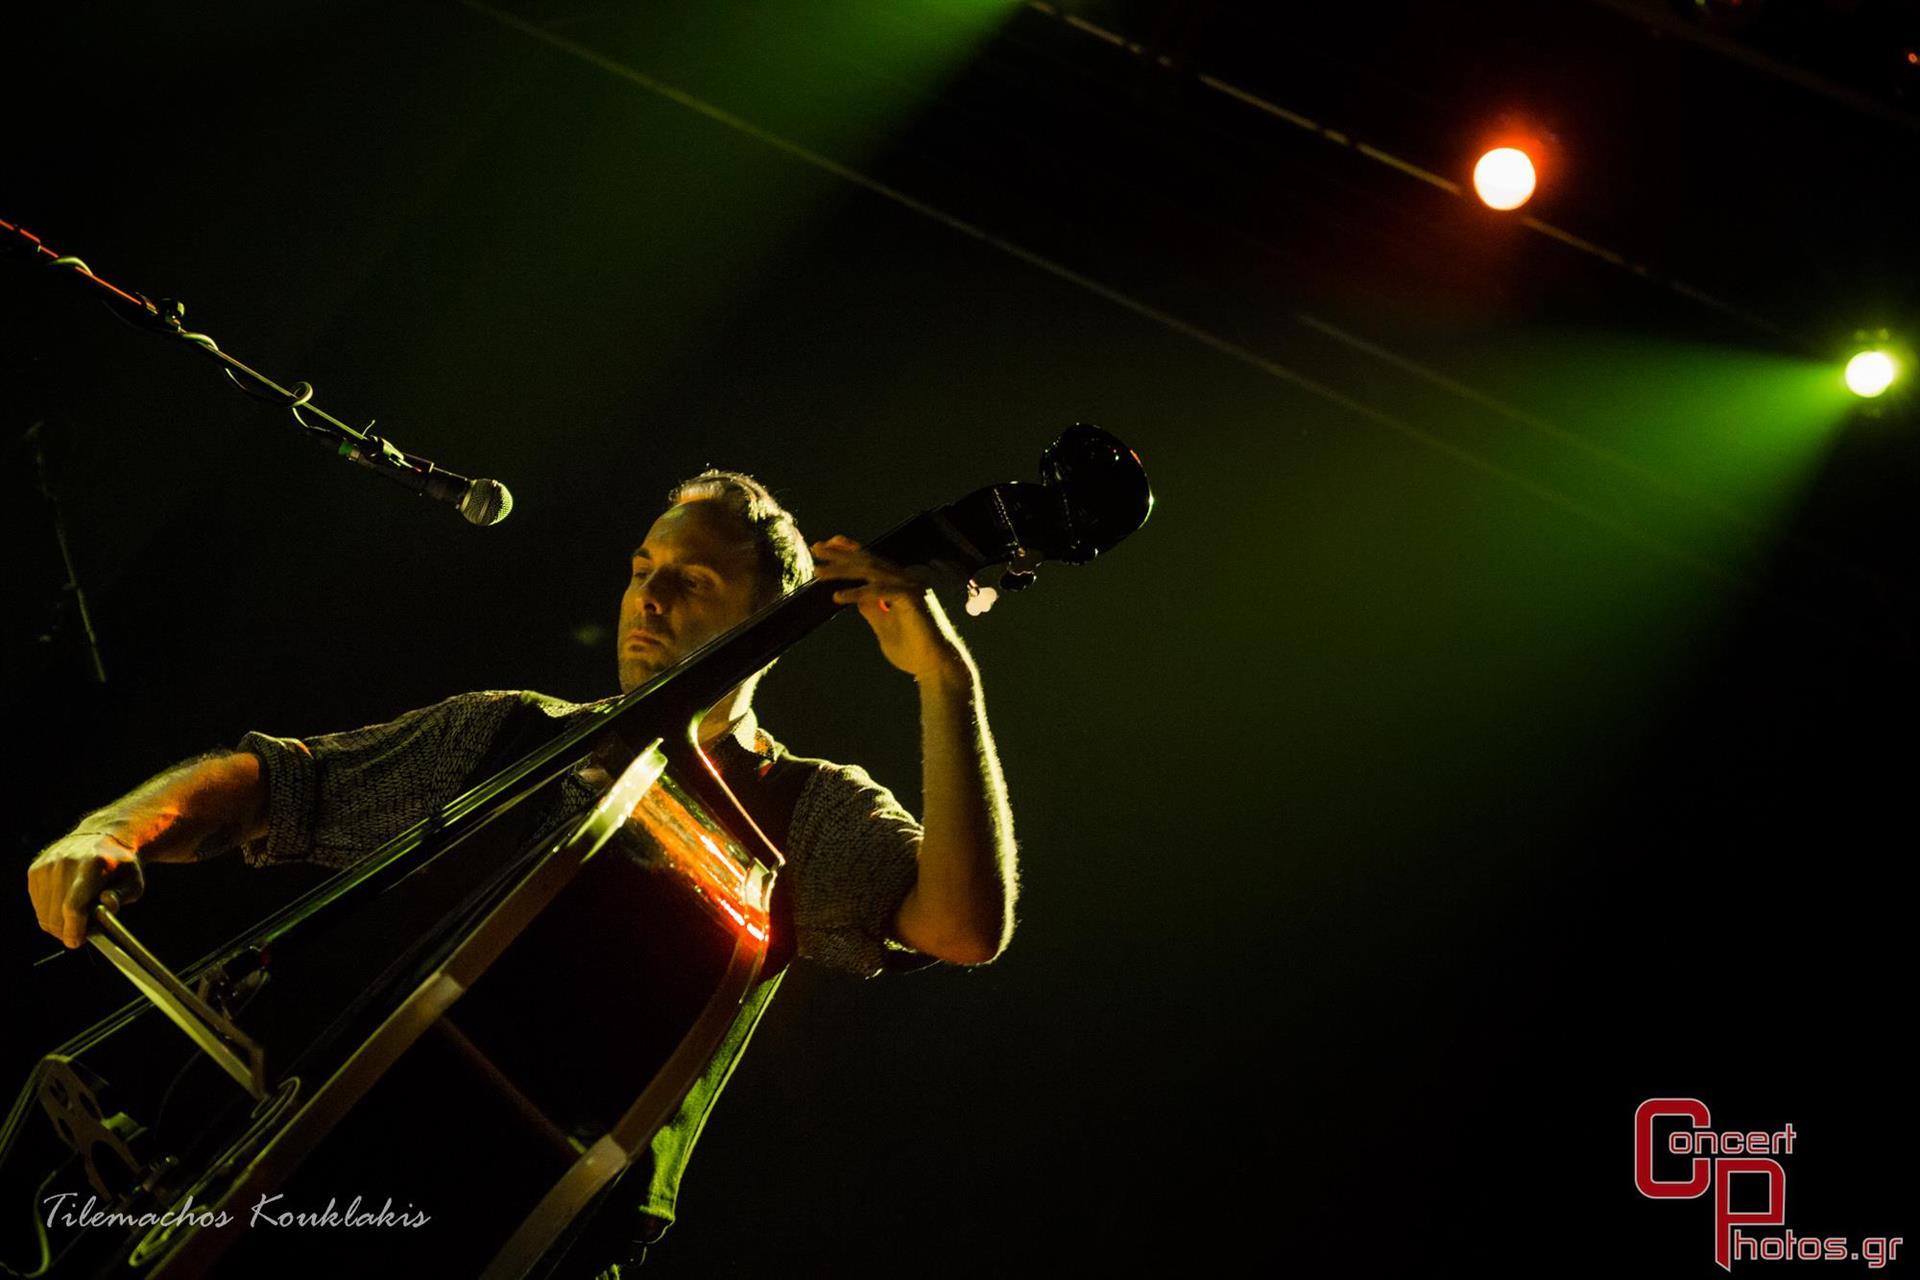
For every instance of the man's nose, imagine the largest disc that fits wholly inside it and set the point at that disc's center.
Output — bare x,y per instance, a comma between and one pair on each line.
656,594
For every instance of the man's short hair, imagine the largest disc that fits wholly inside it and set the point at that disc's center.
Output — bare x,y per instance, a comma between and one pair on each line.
784,560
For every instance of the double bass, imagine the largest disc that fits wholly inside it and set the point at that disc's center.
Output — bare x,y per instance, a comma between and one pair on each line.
491,1015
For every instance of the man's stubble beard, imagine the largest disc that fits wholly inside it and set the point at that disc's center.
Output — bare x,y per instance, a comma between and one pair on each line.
634,672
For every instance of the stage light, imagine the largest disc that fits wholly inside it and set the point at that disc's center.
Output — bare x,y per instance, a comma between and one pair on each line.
1504,178
1870,373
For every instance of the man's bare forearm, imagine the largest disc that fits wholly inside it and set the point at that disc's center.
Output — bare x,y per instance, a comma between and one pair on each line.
963,899
192,811
960,907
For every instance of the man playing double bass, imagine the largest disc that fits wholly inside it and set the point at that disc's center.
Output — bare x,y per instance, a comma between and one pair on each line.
867,887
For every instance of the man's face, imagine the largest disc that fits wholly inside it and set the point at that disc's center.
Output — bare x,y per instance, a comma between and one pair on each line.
695,576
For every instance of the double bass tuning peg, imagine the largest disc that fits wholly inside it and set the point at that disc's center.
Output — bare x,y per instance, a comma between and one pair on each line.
1018,575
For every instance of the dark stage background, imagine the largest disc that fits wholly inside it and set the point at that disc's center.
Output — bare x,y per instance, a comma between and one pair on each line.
1505,717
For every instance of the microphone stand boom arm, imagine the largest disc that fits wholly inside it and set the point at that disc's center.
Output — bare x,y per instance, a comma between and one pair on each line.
165,319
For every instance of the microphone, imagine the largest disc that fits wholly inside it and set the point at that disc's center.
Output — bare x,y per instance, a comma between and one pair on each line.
480,502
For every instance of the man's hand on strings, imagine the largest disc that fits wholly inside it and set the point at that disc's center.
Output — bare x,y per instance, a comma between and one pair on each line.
66,880
914,631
